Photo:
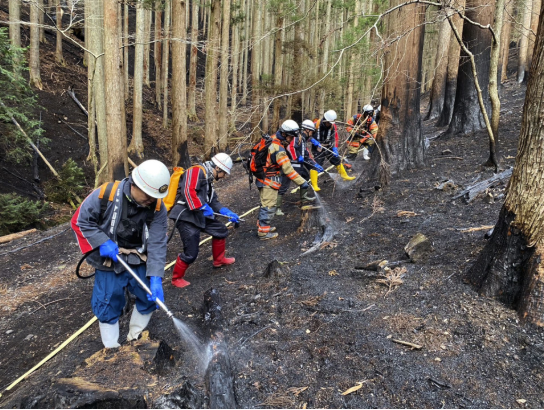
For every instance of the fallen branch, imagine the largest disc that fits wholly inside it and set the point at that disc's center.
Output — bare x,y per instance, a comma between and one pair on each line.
13,236
471,192
72,94
34,243
480,228
73,129
34,186
49,303
412,345
459,158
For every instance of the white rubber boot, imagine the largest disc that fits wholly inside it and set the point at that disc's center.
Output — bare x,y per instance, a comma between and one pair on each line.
365,154
109,334
138,322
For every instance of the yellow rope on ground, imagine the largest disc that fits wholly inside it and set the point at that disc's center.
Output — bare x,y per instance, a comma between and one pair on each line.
53,353
87,325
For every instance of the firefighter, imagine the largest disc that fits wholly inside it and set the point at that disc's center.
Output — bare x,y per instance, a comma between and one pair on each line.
325,146
196,203
363,129
125,219
301,161
276,161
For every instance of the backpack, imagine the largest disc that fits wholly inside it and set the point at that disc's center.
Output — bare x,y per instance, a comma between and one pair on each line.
259,156
170,199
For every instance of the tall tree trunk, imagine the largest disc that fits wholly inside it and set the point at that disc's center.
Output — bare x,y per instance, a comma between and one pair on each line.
436,100
96,90
278,67
58,49
509,268
210,87
34,60
235,64
147,47
117,139
14,22
265,69
524,40
247,42
454,51
255,72
297,80
165,60
157,54
493,85
180,149
535,16
505,41
136,144
400,139
325,60
467,115
224,80
41,19
350,91
191,95
125,50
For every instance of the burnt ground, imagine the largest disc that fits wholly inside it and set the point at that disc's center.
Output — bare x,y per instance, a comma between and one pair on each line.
324,326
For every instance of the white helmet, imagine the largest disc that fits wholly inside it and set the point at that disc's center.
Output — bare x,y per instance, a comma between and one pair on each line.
368,109
223,161
290,127
308,125
152,177
330,116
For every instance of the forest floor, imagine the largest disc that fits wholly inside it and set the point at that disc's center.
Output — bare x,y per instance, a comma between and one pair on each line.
324,326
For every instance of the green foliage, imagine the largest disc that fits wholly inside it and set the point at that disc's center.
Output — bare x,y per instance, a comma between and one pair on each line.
70,184
17,100
18,213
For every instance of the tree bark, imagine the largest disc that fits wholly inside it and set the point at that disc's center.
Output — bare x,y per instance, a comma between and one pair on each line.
210,87
125,50
509,268
438,89
41,19
255,72
278,66
505,41
34,60
58,49
14,22
325,59
114,91
180,149
96,92
401,143
467,116
224,80
136,144
165,60
147,47
524,40
243,75
535,16
191,94
454,50
157,54
235,64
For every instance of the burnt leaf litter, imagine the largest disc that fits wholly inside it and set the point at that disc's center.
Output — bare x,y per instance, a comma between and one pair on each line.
322,330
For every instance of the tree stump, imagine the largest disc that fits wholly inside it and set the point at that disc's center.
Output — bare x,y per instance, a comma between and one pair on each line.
219,376
311,218
276,271
419,248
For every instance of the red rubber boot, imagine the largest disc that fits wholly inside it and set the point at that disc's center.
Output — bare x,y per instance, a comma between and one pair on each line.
178,273
218,252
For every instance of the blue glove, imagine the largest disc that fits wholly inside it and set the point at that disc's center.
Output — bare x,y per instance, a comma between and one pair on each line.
318,167
155,285
109,249
315,142
335,151
305,185
208,211
301,159
232,216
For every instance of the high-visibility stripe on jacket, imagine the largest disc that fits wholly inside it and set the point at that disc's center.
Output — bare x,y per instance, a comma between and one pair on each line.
326,136
277,160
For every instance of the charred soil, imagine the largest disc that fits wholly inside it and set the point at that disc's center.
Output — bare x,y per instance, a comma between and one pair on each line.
319,326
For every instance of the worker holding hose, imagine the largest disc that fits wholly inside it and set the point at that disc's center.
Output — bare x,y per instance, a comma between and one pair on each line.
193,212
325,146
125,219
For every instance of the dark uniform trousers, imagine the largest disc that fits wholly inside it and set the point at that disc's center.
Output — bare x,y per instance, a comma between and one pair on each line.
190,236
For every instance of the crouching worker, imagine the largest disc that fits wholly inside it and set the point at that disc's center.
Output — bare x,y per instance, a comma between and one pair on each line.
196,203
125,219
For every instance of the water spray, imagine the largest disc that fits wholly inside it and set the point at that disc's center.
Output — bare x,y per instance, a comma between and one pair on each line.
146,288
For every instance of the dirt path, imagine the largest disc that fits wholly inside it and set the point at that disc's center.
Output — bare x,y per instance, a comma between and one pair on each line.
304,338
